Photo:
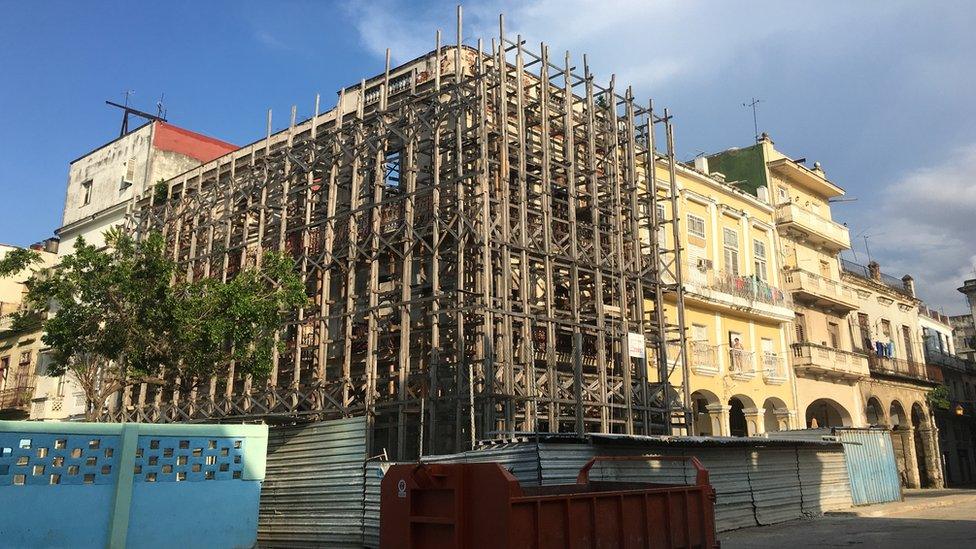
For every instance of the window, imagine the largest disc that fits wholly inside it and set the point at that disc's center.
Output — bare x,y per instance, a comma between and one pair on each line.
696,226
661,235
800,331
906,334
730,238
783,198
759,255
130,175
824,269
699,332
86,190
834,332
886,328
391,176
864,326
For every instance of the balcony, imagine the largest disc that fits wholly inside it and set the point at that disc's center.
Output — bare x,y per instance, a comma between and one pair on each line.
741,293
774,369
899,367
704,358
812,289
16,398
817,361
815,229
742,364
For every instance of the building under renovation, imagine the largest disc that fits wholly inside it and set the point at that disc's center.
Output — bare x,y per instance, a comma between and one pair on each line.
474,232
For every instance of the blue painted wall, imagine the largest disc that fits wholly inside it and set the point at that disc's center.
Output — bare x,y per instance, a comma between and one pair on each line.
134,485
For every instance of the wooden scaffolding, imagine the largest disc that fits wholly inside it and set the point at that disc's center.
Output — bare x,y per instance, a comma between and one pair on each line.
474,230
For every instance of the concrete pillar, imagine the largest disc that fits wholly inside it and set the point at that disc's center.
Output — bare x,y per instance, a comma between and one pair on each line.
903,440
755,424
719,416
930,452
785,419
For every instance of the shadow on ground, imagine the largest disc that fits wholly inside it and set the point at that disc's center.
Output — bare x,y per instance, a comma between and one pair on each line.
948,528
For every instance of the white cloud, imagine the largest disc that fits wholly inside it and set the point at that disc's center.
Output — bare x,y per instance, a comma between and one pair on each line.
848,81
925,225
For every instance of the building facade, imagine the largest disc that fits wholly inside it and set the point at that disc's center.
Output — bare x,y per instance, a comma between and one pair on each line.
21,348
826,363
886,327
736,315
102,183
954,414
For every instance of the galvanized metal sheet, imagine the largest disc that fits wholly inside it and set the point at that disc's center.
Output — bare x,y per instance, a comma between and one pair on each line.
824,482
314,492
871,465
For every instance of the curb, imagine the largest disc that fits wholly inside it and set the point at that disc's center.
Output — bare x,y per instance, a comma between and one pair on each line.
901,507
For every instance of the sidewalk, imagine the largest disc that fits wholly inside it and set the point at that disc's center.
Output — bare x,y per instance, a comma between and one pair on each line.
914,500
925,519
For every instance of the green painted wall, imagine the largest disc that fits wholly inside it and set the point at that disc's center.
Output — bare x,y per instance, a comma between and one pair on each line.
745,166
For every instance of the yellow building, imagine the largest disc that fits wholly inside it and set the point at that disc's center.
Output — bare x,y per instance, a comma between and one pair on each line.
736,317
824,358
20,349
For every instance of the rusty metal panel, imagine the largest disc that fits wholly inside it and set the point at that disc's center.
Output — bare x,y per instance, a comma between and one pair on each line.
313,494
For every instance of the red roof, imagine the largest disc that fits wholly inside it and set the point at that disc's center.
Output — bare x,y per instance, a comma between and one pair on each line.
176,139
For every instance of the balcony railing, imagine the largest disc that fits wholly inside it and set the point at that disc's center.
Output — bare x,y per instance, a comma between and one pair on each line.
747,287
938,358
897,366
704,358
829,361
16,398
742,363
824,290
773,368
830,233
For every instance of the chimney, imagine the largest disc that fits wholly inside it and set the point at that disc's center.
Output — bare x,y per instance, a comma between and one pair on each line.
909,284
874,271
701,164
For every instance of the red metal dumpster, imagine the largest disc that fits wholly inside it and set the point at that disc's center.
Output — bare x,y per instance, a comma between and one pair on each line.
481,505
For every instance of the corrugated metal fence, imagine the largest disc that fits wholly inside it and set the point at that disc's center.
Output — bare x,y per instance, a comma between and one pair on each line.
757,482
314,494
320,491
871,465
869,458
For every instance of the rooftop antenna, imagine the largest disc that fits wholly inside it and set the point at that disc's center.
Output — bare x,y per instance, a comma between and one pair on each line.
160,108
755,115
866,248
127,110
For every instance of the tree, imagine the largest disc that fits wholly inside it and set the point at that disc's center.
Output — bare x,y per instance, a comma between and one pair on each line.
121,317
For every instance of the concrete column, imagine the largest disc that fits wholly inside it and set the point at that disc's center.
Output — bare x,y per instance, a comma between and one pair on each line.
930,452
719,416
755,425
785,419
903,440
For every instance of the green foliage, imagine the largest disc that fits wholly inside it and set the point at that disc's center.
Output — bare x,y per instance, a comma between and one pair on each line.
939,398
17,261
160,190
122,316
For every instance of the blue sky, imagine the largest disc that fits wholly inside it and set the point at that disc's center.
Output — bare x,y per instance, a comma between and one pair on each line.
879,92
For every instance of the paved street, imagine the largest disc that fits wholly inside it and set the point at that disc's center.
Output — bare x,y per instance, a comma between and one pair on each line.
946,519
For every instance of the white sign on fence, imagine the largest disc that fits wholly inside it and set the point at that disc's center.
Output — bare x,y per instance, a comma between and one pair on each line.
636,346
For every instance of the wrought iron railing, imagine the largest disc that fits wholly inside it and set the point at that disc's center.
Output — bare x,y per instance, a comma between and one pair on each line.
742,362
16,398
773,366
897,366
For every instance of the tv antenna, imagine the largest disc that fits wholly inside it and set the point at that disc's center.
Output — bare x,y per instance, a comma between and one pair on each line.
160,108
127,110
755,115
